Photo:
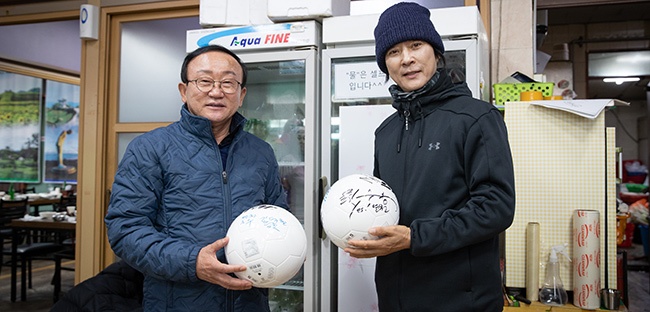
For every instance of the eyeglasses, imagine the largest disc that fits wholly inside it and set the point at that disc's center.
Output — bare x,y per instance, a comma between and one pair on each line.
228,86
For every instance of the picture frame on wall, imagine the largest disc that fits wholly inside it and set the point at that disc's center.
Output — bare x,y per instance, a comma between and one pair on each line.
61,133
39,124
20,127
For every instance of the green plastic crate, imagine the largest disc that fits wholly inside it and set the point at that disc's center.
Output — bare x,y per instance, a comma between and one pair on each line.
509,92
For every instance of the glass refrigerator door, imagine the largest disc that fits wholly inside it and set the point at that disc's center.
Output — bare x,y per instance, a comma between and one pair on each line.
462,61
351,80
356,80
280,106
355,89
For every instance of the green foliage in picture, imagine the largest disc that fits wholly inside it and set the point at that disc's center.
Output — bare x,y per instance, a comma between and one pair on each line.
20,127
60,113
19,166
19,108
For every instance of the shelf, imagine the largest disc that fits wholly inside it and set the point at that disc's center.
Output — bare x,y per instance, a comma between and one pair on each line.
292,285
291,163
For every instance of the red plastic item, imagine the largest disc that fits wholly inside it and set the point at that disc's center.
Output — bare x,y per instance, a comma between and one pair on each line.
630,198
638,178
620,273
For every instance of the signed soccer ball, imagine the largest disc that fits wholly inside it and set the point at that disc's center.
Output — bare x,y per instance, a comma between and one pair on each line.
355,204
270,242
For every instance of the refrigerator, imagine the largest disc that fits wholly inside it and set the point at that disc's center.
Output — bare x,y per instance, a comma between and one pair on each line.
355,100
281,105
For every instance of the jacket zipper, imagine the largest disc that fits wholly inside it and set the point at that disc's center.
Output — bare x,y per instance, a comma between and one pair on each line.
228,213
407,114
406,136
226,191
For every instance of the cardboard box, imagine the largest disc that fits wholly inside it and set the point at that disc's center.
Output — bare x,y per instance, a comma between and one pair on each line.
288,10
232,13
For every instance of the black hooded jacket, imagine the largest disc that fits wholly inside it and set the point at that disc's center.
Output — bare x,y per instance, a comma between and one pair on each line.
116,288
447,158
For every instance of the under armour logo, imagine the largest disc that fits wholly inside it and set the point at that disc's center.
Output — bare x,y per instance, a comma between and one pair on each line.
436,146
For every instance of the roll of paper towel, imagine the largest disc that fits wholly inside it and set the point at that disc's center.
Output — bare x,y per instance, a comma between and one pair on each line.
532,261
586,259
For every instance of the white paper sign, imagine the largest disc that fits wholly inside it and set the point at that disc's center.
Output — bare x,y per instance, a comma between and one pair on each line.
585,108
353,81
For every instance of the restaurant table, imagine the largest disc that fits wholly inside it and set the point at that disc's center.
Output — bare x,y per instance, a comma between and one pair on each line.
41,201
31,224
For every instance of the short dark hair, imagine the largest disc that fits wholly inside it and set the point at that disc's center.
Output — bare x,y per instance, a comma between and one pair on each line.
211,48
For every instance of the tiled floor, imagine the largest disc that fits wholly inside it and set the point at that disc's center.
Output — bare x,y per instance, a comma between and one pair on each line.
638,279
39,298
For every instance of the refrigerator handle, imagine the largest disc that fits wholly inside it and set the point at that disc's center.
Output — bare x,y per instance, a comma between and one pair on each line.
322,189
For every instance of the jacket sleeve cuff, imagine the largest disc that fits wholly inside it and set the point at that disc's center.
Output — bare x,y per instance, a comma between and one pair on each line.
191,272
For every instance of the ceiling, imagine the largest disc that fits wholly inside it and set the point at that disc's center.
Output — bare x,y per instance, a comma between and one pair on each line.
18,2
587,14
613,11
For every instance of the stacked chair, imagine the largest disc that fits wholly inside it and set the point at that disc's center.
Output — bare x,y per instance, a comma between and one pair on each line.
26,250
68,252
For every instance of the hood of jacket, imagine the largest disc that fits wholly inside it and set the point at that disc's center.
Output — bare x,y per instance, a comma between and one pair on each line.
418,103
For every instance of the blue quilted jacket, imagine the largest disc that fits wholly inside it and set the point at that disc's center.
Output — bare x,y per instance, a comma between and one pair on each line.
172,196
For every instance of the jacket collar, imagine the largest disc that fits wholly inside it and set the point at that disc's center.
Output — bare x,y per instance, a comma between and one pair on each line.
202,127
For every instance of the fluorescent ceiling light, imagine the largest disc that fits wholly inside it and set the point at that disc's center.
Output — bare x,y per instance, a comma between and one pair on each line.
620,80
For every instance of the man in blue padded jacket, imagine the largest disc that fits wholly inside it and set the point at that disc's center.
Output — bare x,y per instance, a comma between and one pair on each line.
178,188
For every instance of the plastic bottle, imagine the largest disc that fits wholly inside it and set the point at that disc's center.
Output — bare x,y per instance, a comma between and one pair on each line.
553,292
12,193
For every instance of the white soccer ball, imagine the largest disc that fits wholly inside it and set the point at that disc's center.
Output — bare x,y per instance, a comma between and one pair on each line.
353,205
270,242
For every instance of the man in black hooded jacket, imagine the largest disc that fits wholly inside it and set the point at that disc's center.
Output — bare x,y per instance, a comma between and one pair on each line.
447,158
116,288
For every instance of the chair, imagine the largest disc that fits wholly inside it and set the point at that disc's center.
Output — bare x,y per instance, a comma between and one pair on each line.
67,254
66,201
10,210
28,190
26,251
61,206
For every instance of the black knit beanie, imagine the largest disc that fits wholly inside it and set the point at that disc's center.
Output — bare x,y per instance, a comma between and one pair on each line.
402,22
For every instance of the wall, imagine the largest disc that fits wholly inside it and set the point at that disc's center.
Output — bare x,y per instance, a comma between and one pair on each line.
511,38
52,44
629,121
